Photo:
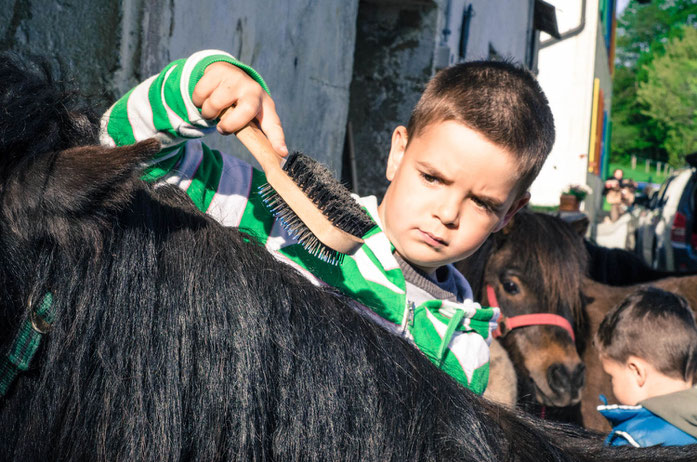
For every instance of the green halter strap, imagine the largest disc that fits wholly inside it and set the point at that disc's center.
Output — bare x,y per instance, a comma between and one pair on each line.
26,343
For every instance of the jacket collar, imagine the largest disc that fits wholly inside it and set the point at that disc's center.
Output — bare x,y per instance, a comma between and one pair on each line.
679,408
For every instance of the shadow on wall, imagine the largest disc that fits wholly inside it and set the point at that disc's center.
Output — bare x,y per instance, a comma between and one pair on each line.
392,63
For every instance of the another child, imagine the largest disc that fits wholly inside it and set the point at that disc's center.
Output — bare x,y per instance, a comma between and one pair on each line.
459,171
648,346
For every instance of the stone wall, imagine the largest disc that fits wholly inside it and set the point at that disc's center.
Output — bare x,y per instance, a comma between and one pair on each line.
303,48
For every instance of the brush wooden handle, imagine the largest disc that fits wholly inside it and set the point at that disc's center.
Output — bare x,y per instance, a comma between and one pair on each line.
259,145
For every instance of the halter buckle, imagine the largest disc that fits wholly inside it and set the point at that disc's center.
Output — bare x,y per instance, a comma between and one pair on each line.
41,317
39,324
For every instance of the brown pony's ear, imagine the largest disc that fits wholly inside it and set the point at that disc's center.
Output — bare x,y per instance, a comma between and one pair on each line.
580,225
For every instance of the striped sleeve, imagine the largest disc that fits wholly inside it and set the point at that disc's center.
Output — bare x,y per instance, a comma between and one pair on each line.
161,106
456,337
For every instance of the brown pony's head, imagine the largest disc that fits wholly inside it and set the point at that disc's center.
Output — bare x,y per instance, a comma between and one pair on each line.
536,265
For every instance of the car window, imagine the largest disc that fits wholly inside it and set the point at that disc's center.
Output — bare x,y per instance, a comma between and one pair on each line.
659,199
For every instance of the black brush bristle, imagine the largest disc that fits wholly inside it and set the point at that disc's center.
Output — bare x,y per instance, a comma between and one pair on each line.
328,194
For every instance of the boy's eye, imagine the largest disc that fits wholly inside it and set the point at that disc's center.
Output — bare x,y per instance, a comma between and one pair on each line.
429,178
481,204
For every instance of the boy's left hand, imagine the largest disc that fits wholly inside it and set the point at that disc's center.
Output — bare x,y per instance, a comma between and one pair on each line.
224,86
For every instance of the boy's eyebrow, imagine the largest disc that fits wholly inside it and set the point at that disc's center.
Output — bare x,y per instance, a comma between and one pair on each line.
494,204
434,171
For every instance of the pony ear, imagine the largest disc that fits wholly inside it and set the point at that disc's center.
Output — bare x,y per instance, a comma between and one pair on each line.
580,225
509,226
54,194
92,177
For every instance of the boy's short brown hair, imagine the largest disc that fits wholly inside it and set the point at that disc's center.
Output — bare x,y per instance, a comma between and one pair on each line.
500,100
654,325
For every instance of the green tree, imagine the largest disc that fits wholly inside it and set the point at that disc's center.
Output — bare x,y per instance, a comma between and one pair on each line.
669,94
643,28
633,132
643,31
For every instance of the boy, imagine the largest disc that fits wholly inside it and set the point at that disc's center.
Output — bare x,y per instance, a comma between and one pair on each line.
458,172
648,346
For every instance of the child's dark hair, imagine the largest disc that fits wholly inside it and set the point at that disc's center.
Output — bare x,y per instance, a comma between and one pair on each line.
500,100
653,325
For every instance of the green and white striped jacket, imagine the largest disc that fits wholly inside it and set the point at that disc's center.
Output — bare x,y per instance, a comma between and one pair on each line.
455,336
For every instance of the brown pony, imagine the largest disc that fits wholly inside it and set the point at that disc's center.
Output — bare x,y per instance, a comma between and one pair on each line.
528,275
539,264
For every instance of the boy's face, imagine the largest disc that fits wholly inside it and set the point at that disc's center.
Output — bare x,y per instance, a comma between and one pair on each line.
625,385
450,188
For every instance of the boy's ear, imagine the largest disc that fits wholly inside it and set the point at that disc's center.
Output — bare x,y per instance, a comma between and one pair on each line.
519,203
397,148
637,368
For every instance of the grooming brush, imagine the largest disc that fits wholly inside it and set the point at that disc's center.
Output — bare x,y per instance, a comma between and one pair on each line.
312,205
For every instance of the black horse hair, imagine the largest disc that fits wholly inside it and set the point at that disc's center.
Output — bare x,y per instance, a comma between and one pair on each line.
178,339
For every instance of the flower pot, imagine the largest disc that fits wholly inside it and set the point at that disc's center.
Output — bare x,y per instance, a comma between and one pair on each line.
569,203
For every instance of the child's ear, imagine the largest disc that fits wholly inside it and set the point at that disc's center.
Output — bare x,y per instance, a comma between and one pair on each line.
638,370
519,203
399,145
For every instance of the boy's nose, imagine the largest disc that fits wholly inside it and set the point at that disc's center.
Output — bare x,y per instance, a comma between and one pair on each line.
448,211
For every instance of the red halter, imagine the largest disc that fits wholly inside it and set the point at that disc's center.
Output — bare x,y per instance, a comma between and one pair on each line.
508,324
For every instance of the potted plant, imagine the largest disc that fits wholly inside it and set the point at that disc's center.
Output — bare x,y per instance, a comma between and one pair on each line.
572,196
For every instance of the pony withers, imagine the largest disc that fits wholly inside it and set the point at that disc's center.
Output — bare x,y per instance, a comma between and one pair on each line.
173,338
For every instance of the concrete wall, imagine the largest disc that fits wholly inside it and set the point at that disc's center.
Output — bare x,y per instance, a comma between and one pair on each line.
326,62
79,38
303,48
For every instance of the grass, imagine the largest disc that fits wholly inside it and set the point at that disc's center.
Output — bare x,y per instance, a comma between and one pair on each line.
639,174
544,208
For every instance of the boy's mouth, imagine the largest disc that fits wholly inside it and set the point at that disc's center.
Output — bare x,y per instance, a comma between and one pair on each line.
432,239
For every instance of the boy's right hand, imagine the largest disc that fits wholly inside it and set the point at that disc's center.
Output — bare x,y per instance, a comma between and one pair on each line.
225,85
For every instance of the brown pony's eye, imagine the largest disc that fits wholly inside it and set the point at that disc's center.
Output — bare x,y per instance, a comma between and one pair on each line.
510,287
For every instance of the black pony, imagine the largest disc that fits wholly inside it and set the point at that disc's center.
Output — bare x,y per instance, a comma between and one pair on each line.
616,267
173,338
619,267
